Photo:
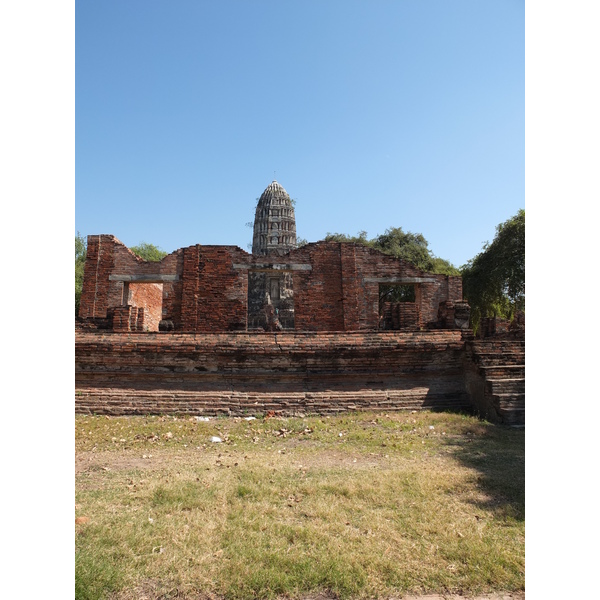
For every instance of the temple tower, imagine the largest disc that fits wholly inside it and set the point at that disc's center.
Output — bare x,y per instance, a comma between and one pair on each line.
274,222
271,292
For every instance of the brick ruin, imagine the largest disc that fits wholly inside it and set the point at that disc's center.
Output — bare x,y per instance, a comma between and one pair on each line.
325,327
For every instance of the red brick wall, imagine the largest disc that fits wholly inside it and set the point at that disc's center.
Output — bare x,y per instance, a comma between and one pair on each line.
99,265
241,372
371,264
318,297
190,280
149,297
222,290
352,290
209,293
122,318
107,256
455,291
214,294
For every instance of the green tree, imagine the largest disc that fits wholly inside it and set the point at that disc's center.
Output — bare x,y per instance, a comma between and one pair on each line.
494,281
444,267
80,254
149,252
359,238
411,247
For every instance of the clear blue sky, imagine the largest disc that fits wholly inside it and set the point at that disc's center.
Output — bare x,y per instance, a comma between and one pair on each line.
372,114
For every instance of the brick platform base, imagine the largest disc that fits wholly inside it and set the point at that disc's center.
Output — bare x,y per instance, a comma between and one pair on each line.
495,379
252,373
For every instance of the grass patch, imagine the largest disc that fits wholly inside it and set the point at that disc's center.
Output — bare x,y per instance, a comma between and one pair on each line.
357,505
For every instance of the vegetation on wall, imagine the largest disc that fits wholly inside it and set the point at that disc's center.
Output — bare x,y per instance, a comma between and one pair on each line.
494,281
80,254
148,252
412,247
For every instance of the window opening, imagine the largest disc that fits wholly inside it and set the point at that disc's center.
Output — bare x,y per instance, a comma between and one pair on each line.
398,308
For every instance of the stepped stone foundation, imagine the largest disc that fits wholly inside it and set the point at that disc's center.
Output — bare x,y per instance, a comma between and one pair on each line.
298,373
246,373
495,378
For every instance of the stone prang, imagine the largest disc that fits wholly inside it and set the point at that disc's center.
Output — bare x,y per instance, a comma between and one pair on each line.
274,223
271,294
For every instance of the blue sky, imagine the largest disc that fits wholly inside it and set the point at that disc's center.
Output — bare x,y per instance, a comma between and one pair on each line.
372,115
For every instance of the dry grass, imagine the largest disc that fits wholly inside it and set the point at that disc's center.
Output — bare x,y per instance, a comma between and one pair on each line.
358,505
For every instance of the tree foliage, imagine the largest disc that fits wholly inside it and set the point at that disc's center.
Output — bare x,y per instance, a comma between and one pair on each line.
359,238
80,255
149,252
411,247
494,281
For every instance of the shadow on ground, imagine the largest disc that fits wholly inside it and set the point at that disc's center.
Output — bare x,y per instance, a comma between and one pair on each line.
496,454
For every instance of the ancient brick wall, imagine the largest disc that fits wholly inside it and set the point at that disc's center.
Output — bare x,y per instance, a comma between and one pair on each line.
400,315
190,286
205,288
337,358
149,297
222,291
111,267
455,290
318,292
352,290
99,266
251,373
123,318
376,268
495,379
366,269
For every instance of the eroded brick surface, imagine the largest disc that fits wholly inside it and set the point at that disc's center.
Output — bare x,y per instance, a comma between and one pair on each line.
238,373
205,288
495,379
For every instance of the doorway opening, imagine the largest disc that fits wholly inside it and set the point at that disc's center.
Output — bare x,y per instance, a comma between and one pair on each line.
398,306
270,301
146,300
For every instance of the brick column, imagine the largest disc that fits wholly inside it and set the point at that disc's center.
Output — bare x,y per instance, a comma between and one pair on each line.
350,289
139,326
122,318
190,284
455,291
99,263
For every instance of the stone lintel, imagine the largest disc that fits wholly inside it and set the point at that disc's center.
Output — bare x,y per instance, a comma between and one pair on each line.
400,280
151,278
274,267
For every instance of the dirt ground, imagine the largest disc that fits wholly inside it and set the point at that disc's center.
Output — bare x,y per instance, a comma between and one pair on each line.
96,462
150,592
497,596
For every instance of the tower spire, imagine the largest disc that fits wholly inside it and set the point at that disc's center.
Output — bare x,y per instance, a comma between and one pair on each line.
274,222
